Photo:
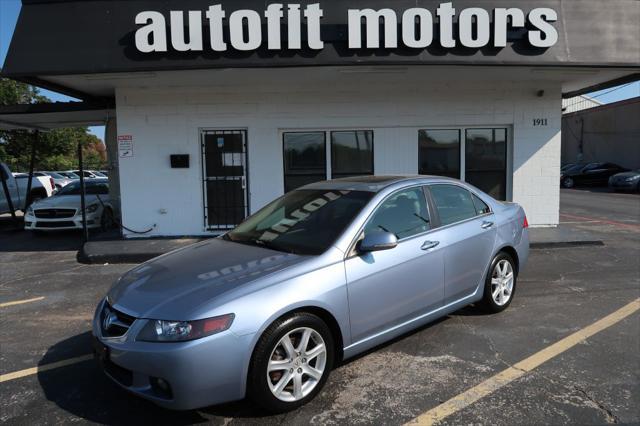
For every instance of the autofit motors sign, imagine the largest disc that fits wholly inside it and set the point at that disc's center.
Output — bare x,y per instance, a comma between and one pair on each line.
296,27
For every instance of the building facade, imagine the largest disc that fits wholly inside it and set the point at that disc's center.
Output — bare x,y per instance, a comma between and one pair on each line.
608,134
220,108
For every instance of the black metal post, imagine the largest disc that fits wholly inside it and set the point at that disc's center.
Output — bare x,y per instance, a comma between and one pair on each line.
34,140
8,196
85,230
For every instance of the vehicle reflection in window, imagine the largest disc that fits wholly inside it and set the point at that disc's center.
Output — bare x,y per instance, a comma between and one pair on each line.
301,222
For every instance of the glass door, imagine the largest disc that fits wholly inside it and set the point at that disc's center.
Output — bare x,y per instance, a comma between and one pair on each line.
224,160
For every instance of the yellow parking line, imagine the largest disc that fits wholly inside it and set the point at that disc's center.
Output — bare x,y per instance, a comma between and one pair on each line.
20,302
507,376
42,368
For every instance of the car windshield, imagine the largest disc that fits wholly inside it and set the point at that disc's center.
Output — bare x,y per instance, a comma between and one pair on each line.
55,175
99,174
303,222
575,168
91,188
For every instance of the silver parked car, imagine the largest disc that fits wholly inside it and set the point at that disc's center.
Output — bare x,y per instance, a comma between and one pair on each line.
319,275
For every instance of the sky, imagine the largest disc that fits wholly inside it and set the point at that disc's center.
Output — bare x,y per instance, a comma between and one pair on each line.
9,10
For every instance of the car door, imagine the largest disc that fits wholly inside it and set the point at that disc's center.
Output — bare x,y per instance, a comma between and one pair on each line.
13,191
468,234
387,288
593,173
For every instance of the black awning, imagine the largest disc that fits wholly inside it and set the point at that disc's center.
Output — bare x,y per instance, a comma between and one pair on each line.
67,37
47,116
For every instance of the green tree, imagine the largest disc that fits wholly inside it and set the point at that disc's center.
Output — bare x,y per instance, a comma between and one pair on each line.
56,149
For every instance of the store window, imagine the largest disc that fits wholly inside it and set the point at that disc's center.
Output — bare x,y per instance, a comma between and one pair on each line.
305,159
439,153
486,161
305,156
479,158
351,153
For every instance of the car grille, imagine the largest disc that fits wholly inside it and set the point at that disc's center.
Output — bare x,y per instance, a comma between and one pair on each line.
63,224
114,323
55,213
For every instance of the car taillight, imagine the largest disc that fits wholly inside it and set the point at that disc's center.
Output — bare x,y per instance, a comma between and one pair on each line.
525,224
53,184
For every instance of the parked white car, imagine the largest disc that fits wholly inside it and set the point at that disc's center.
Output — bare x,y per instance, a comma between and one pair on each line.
63,210
88,174
17,183
59,180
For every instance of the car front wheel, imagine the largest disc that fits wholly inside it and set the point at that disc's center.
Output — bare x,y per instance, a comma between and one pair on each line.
291,362
500,285
568,182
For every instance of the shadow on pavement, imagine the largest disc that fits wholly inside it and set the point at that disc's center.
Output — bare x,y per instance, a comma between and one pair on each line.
84,391
15,239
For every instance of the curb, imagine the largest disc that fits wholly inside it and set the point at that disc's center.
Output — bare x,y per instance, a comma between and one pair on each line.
565,244
101,259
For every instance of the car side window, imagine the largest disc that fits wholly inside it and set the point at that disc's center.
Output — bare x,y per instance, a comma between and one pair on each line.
454,204
481,206
404,214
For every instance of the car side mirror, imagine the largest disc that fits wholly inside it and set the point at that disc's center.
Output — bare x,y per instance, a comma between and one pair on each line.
377,241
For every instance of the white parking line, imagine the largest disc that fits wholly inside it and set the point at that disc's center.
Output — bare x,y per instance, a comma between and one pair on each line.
42,368
489,386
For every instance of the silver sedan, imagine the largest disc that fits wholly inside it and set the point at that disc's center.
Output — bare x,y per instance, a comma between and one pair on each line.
317,276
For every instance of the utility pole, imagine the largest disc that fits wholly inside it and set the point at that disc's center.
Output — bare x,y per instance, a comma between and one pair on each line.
85,230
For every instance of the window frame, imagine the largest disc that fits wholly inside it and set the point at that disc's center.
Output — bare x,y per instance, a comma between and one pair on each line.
332,156
284,153
328,148
463,147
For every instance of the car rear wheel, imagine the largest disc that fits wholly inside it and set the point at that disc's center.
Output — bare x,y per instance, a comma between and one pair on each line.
500,285
568,182
291,363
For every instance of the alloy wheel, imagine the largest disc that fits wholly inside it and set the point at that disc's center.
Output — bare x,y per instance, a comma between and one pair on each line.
297,364
502,282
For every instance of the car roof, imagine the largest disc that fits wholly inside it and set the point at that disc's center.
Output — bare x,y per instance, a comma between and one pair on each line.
374,183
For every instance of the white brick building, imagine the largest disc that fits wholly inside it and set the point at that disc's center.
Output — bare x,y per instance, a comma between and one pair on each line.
203,132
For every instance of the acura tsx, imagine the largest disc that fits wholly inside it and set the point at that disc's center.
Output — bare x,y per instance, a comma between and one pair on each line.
317,276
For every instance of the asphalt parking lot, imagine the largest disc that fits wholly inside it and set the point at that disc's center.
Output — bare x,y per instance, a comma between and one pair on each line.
561,292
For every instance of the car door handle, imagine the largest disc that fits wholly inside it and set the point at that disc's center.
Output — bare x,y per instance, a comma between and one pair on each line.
428,245
487,225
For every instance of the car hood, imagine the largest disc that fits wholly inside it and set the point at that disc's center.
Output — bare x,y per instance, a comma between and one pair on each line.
173,286
68,201
626,175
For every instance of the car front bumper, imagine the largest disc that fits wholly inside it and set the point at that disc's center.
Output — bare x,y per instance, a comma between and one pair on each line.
33,223
624,185
202,372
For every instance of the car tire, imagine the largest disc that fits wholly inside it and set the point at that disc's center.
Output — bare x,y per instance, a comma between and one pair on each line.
279,379
568,183
500,284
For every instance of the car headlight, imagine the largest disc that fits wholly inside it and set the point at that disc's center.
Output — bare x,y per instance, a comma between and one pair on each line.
181,331
30,210
92,208
632,178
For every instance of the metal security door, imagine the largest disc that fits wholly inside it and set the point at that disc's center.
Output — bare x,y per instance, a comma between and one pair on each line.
224,160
